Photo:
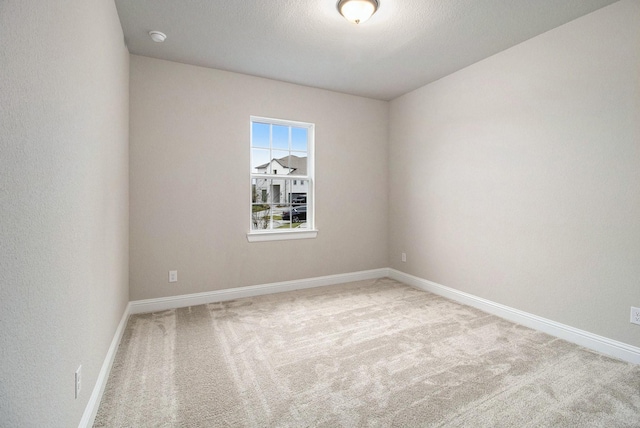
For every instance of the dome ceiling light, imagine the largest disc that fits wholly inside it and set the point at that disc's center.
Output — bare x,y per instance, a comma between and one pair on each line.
357,11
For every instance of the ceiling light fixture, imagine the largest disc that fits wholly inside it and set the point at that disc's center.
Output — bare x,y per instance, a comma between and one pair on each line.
357,11
157,36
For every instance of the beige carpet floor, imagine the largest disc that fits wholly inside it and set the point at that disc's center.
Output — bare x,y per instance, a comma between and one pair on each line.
365,354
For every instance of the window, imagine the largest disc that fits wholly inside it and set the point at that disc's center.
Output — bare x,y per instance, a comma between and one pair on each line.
282,180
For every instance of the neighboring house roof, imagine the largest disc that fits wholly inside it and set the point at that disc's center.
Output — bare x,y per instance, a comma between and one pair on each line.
265,165
296,164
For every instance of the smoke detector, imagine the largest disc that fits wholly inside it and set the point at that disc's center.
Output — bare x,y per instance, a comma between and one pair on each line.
157,36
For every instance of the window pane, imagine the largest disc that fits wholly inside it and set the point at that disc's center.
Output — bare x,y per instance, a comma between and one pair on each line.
259,161
287,193
259,218
282,159
298,215
299,192
259,188
266,196
294,215
297,165
299,139
260,209
280,220
260,134
280,137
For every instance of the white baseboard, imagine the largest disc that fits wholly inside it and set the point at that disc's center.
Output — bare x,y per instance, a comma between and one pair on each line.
583,338
91,410
173,302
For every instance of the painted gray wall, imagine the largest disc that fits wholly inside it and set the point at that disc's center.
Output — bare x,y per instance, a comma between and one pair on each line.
517,179
190,186
63,203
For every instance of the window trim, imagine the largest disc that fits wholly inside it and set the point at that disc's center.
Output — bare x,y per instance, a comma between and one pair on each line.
285,234
281,235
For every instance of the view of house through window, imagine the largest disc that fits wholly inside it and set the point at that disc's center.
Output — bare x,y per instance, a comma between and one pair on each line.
281,175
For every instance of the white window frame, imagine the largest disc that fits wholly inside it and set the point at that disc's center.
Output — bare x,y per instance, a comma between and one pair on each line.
285,234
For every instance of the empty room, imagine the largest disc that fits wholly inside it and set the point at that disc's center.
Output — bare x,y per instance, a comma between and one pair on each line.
350,213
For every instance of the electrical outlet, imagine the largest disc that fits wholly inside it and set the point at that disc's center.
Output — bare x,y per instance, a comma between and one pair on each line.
173,276
404,257
635,315
78,380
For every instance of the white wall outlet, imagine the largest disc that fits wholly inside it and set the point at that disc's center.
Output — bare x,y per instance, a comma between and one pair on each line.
78,380
404,257
173,276
635,315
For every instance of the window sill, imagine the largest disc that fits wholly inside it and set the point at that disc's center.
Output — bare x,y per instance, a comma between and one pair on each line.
281,236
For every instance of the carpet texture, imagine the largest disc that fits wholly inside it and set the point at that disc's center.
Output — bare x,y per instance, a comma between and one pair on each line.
364,354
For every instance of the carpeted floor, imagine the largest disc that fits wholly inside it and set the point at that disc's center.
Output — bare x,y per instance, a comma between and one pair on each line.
364,354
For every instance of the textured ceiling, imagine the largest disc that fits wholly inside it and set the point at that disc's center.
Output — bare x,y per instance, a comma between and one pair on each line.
405,45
